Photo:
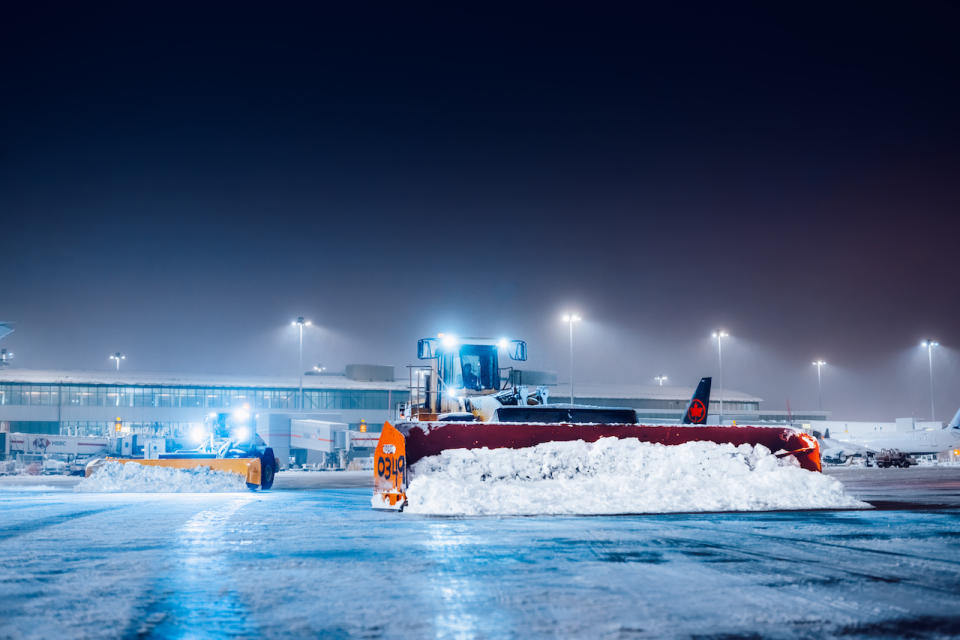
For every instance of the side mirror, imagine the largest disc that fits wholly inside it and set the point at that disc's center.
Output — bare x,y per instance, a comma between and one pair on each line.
518,350
427,348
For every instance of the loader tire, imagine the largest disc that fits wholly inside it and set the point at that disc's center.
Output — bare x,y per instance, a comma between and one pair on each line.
268,469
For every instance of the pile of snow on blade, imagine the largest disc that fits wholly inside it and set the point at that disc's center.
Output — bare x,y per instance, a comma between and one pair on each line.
614,476
114,477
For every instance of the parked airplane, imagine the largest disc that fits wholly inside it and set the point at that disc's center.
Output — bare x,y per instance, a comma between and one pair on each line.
909,442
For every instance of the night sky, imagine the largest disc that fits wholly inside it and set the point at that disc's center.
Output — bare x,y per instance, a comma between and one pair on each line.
179,182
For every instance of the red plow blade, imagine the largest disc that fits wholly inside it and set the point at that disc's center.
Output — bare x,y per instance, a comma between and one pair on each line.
405,444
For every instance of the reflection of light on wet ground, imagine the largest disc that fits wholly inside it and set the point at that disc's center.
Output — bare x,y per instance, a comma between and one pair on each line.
203,601
450,549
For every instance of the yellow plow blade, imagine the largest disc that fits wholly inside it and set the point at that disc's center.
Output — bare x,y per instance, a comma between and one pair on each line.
249,468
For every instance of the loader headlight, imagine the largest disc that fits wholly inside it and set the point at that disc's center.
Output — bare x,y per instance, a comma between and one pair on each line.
448,340
198,434
242,434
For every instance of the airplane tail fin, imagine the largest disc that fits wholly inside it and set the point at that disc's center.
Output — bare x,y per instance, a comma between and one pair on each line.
699,405
955,423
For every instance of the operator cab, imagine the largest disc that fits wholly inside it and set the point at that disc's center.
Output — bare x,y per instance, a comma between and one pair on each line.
463,368
223,435
471,368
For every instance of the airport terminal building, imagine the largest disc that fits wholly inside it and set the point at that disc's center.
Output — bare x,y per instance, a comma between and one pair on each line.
92,403
86,403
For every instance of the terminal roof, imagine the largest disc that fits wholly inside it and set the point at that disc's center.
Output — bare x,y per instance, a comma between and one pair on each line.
619,390
652,392
137,378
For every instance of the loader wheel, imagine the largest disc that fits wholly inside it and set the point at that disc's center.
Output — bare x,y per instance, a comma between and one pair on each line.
268,468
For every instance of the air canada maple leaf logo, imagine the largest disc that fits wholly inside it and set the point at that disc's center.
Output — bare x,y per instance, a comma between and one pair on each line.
697,411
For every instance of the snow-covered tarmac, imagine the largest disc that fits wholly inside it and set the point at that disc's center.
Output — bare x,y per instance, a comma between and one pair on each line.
310,559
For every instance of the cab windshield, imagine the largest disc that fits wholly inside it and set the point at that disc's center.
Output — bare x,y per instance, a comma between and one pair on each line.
474,368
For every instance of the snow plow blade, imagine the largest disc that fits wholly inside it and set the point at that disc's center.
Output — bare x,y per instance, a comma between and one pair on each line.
405,444
249,468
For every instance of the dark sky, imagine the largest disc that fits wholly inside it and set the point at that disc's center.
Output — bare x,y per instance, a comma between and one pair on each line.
178,182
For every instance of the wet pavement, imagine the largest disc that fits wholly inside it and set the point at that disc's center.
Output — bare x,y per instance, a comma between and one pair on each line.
310,559
916,487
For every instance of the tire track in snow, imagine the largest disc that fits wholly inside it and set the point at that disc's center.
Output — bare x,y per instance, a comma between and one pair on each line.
815,571
30,526
199,597
834,546
673,541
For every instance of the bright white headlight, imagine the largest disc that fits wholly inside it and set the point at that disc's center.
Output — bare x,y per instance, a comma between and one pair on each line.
449,340
198,434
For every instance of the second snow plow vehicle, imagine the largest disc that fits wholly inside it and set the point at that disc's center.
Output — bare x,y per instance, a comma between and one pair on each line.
459,404
226,443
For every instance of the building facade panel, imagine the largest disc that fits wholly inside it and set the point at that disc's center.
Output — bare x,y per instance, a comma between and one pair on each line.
94,408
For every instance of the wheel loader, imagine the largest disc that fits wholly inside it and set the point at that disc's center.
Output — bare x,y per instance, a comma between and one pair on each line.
464,400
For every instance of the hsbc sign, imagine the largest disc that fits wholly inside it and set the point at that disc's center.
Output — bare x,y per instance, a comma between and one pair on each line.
76,445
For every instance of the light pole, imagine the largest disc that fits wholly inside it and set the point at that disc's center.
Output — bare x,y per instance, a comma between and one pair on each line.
720,334
300,324
571,318
660,379
118,357
929,346
819,365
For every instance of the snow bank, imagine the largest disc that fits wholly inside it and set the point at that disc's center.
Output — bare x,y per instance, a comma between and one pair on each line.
614,476
114,477
37,483
29,487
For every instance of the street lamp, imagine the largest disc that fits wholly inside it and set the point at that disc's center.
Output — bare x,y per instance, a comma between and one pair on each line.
118,357
660,379
929,346
300,323
571,318
5,357
720,334
819,365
